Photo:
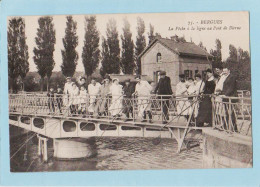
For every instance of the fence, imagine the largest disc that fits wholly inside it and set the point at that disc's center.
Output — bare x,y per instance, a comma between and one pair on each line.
230,114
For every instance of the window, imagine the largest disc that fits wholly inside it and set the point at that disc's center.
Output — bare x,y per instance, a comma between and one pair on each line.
158,57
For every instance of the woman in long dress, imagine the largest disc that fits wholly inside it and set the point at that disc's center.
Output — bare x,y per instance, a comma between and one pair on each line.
102,101
142,91
74,99
116,90
182,103
205,108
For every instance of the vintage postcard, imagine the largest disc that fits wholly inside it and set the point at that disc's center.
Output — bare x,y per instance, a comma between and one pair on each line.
129,91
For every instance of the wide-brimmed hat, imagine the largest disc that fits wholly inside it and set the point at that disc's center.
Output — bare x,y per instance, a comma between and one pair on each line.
81,77
163,73
113,80
208,71
198,75
138,77
107,77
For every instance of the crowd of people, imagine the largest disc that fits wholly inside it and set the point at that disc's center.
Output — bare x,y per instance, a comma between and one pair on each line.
111,98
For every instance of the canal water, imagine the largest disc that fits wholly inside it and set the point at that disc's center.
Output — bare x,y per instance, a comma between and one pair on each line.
111,153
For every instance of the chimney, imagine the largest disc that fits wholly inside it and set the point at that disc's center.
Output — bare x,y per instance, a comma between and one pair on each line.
175,38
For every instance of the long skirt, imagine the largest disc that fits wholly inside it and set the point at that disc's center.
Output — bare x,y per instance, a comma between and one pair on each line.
101,105
183,106
116,106
204,111
92,104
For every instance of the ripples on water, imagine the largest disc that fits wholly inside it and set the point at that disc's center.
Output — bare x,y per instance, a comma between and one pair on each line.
112,153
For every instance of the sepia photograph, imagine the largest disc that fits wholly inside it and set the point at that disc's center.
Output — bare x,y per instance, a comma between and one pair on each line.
139,91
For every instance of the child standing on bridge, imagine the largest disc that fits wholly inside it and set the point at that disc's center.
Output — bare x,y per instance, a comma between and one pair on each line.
51,100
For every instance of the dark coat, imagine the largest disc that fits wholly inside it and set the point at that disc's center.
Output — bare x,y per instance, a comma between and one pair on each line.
128,90
230,86
164,86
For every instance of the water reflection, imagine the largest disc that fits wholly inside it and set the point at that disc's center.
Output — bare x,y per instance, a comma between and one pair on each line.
111,154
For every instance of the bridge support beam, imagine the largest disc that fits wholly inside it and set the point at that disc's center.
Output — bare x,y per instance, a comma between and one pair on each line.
43,147
73,148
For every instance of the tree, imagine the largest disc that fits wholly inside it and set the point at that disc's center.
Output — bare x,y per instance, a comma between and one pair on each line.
218,50
43,53
232,60
127,60
140,43
105,58
69,54
151,35
91,52
244,64
18,56
217,55
111,63
202,46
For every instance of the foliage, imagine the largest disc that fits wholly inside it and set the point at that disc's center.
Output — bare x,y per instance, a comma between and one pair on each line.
111,50
18,56
127,61
202,46
151,35
43,52
240,65
91,52
216,53
69,54
140,43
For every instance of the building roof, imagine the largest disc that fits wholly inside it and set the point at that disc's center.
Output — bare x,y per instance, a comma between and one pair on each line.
180,48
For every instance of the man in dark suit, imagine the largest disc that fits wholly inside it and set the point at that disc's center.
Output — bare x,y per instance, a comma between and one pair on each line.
229,90
164,88
127,102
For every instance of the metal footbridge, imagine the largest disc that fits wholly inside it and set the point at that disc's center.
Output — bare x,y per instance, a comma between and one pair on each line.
65,117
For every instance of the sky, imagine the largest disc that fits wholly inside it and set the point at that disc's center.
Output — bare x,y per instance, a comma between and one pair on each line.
161,23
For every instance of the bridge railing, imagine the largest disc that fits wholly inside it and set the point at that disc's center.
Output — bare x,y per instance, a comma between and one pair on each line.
157,108
232,114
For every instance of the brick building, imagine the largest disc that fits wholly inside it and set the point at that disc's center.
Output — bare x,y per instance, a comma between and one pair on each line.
175,57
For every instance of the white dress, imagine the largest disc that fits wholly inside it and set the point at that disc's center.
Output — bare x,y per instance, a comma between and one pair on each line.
116,106
93,93
182,102
74,97
83,98
67,90
199,87
143,90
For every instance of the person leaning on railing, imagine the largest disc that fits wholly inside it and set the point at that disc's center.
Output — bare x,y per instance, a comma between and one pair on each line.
142,91
128,90
229,90
204,117
59,98
164,89
51,103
